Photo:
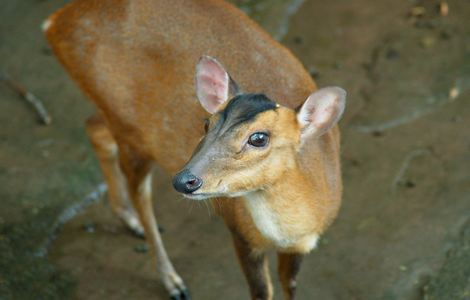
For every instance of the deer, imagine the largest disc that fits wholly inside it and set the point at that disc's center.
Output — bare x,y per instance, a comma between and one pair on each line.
200,89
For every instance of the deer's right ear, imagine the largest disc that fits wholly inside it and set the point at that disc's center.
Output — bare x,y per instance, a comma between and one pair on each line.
213,84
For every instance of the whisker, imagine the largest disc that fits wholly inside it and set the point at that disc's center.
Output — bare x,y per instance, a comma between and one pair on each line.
208,209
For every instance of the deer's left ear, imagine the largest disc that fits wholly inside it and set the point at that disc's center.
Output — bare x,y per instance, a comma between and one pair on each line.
321,111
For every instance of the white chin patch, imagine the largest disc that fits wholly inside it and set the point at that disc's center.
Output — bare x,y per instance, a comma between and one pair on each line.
238,194
197,197
205,196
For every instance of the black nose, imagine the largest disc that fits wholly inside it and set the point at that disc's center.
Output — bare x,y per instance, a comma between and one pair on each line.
185,182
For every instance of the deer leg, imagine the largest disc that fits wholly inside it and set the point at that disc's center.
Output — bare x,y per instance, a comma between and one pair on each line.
106,150
256,269
289,266
138,172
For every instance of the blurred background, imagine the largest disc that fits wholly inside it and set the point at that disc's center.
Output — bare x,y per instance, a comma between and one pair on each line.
403,231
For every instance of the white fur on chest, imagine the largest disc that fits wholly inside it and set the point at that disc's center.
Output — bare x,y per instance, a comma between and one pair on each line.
271,226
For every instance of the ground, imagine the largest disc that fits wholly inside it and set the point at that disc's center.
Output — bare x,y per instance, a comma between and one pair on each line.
403,231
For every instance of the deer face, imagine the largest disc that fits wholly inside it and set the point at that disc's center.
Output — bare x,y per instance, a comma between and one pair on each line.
250,141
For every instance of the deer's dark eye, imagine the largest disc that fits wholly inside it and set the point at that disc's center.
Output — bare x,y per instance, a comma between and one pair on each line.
206,125
258,139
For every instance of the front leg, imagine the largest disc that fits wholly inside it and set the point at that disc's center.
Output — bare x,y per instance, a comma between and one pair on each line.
138,173
289,266
256,269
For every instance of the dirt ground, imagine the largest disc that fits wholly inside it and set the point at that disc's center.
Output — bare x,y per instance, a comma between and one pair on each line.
404,228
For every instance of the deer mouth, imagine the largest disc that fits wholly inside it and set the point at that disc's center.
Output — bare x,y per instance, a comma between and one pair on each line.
202,196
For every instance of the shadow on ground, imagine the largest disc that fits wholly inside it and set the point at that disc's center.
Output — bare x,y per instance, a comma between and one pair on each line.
403,231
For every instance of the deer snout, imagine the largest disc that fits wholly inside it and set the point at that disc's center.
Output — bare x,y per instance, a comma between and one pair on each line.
185,182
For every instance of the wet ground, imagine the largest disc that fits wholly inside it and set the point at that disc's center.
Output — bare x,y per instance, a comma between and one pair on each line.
403,231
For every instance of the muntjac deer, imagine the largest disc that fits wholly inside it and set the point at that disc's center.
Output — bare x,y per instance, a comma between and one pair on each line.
268,152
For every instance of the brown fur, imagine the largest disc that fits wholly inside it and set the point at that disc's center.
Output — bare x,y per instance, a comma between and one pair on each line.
136,63
256,269
288,268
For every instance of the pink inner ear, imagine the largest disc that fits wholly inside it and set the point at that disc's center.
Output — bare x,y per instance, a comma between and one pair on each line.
322,110
212,83
324,116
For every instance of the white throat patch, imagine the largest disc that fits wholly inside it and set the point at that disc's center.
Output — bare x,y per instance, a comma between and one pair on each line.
265,219
269,224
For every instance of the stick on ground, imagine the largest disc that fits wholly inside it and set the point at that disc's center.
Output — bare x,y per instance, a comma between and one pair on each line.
29,97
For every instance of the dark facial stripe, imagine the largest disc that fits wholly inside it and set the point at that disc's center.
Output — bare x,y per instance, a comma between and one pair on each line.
245,107
240,109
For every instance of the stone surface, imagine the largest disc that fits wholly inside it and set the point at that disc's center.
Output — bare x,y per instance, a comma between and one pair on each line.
403,229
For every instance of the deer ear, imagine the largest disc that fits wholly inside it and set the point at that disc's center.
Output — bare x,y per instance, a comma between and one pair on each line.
213,84
321,111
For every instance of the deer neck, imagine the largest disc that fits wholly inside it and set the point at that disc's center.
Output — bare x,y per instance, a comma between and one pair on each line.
288,213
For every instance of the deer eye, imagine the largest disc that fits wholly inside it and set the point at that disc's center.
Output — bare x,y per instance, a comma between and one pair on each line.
258,139
206,125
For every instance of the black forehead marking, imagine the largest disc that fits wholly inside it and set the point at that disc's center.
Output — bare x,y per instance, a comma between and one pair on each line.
246,107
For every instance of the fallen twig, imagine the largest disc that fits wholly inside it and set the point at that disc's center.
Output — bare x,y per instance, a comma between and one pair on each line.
455,91
67,214
29,97
405,165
